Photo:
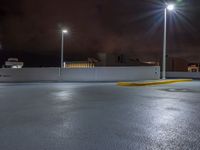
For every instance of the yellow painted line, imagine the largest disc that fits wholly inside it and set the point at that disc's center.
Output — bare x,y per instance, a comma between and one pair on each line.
153,82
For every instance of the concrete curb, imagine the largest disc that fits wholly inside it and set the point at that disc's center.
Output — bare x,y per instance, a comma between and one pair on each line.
150,83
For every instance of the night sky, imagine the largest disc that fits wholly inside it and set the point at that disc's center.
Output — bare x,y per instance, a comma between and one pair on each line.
31,28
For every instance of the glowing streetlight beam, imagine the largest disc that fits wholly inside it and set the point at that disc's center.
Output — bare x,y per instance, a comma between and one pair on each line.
170,7
65,31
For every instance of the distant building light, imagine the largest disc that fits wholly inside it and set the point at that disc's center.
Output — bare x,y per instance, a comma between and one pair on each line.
154,63
79,65
16,67
193,68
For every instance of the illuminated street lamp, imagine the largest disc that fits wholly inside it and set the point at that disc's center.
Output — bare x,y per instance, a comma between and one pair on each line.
168,7
64,31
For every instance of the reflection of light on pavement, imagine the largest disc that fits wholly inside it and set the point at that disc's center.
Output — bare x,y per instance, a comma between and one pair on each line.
165,116
166,121
63,95
166,113
63,126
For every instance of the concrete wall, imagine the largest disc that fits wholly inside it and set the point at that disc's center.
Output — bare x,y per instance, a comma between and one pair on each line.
89,74
193,75
29,74
111,74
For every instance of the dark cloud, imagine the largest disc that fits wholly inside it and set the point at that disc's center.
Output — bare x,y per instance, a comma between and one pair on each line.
125,26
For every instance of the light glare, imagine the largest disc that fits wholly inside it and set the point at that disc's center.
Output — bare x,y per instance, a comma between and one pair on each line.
170,7
64,31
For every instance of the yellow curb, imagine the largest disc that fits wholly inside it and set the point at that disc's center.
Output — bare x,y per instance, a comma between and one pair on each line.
153,82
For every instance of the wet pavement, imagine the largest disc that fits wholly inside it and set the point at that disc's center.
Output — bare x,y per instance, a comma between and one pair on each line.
99,116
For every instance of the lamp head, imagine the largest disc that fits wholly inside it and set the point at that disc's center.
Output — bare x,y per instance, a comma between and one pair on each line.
64,31
170,7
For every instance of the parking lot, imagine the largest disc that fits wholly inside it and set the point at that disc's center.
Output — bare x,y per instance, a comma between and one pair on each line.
99,116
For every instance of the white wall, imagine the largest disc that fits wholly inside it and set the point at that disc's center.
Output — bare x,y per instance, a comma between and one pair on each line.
29,74
193,75
89,74
111,74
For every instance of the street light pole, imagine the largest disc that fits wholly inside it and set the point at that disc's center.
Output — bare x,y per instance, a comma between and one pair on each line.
62,51
169,7
62,48
164,45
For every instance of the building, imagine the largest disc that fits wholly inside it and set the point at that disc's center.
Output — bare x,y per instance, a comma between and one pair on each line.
177,64
109,59
13,63
115,59
89,63
193,67
79,64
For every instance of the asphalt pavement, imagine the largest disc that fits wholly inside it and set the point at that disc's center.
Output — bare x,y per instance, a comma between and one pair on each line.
99,116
